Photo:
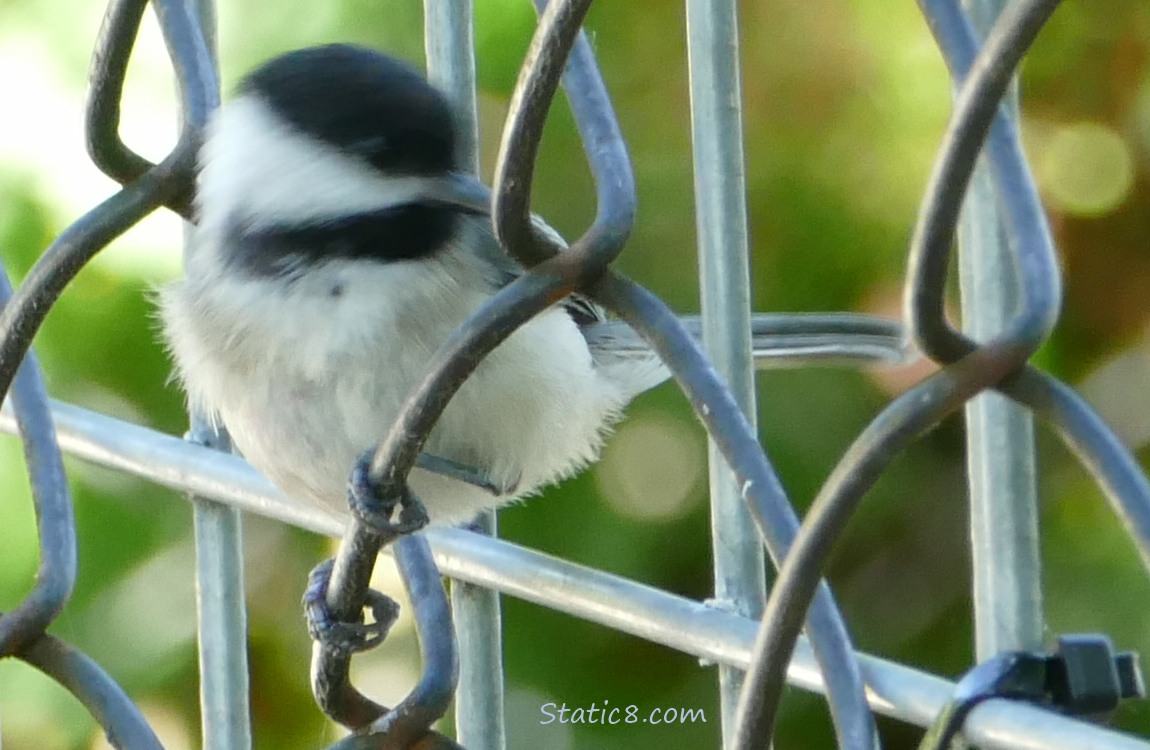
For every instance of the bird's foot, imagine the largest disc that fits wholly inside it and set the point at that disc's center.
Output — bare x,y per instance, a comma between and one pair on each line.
337,635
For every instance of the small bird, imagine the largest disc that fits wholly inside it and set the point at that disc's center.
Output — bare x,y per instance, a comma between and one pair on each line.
338,244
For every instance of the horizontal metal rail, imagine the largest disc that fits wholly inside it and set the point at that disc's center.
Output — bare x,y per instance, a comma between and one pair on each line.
679,623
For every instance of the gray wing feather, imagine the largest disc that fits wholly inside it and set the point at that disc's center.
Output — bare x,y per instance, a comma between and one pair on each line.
787,339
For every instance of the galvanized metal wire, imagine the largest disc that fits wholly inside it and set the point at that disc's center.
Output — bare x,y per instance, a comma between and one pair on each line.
725,286
1001,462
746,487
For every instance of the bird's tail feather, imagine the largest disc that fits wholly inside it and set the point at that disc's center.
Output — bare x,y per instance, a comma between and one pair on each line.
777,340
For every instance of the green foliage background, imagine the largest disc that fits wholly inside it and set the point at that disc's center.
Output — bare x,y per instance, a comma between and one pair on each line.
844,105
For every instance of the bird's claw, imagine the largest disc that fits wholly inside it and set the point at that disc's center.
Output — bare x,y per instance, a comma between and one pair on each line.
338,635
377,510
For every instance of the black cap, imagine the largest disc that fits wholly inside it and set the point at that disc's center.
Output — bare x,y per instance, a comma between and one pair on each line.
363,102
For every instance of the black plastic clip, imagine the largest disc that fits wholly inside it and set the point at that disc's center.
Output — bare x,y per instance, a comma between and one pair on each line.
1087,677
1084,677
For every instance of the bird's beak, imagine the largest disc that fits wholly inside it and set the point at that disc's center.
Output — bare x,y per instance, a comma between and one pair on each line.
462,190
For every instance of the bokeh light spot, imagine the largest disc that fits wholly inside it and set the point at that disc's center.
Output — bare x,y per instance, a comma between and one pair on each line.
651,468
1085,169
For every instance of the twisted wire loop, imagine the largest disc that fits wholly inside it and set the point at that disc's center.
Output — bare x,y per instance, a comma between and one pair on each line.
1094,444
968,367
159,185
554,274
455,360
146,188
712,402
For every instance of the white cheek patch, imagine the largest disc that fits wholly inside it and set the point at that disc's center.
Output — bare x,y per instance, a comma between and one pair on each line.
259,171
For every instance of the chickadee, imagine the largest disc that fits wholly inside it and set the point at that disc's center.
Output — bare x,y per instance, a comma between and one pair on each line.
338,244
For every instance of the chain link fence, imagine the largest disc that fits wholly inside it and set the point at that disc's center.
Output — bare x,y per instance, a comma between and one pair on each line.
1011,292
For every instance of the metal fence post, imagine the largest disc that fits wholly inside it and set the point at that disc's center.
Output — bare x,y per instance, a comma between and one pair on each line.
1000,434
479,723
221,624
721,218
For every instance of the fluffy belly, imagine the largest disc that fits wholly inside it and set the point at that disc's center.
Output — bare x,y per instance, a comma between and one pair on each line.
532,413
306,445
